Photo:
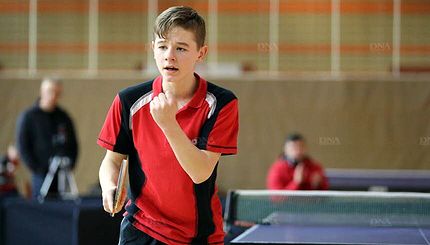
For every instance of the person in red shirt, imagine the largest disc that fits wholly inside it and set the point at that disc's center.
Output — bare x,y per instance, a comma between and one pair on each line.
295,170
8,165
173,131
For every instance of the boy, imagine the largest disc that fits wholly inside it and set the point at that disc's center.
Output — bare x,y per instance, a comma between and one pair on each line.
173,130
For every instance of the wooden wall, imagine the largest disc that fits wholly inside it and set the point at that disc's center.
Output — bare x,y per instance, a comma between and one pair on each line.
348,124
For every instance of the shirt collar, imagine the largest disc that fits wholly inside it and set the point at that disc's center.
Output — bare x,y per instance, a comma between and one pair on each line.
198,97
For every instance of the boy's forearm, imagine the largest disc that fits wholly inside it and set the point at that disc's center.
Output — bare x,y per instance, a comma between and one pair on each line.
108,174
195,162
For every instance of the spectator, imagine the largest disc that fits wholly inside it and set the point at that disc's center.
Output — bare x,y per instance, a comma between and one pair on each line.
43,131
295,170
8,164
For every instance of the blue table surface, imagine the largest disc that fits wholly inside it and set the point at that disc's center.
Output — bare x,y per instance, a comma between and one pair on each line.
311,234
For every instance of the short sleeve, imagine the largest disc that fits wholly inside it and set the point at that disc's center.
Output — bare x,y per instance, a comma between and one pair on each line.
115,134
220,133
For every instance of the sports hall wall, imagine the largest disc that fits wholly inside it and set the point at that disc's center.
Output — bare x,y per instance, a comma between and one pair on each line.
348,124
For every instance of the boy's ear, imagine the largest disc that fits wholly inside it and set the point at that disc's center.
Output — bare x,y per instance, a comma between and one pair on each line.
203,52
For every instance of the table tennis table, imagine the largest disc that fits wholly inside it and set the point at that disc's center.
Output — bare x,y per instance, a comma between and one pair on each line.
312,234
379,180
334,218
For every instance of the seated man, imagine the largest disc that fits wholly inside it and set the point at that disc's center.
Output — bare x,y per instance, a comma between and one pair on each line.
295,170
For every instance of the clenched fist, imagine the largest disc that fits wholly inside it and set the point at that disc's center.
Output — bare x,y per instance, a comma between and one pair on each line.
163,108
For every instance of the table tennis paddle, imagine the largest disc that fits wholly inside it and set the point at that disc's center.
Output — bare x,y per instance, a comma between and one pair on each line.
118,194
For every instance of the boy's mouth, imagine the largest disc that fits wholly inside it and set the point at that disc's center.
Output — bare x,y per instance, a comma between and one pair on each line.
170,68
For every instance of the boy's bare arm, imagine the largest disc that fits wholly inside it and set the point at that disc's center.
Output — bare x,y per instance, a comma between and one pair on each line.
198,164
108,176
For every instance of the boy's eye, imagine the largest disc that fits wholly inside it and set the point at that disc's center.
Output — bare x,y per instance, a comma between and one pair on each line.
181,49
162,47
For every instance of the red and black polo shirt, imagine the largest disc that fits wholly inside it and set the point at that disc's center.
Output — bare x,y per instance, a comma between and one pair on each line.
164,202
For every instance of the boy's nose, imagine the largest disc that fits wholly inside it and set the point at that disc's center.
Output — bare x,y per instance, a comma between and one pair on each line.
170,55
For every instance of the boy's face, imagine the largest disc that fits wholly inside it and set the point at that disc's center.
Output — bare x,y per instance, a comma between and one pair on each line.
177,54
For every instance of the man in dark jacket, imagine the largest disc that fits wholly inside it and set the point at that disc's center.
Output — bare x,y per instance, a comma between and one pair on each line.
45,131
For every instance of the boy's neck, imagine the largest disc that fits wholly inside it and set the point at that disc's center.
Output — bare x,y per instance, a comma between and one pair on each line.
181,89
